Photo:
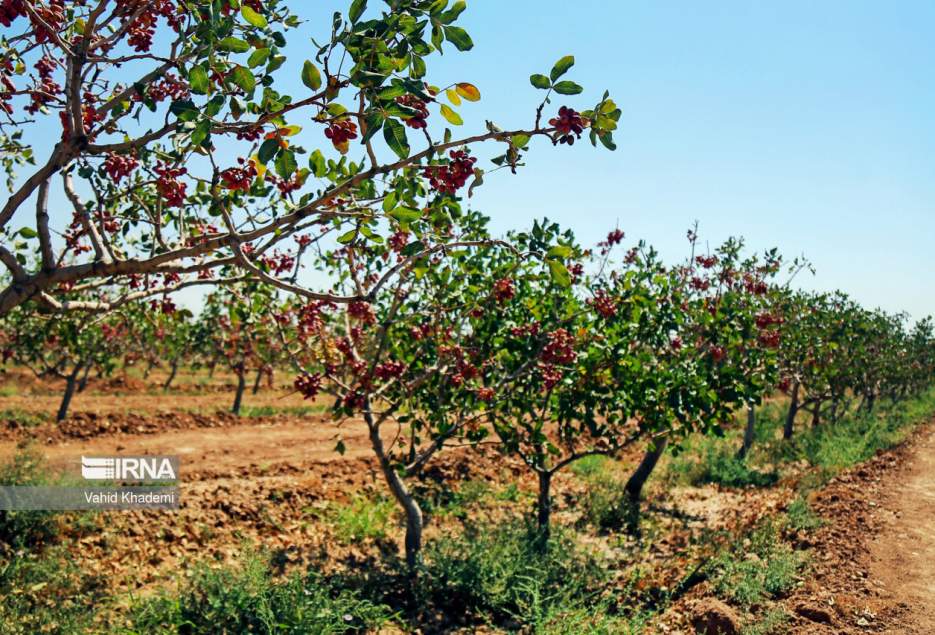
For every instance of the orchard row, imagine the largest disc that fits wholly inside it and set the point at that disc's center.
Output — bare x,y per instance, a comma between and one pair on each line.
549,351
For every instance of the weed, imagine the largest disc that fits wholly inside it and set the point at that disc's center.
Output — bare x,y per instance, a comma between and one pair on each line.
247,599
26,529
759,567
721,465
498,573
362,518
800,517
773,622
18,418
590,466
45,592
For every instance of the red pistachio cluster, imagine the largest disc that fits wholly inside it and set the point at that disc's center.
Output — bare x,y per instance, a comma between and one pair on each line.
10,10
417,121
569,125
147,13
308,384
119,166
604,304
503,290
239,178
362,311
389,370
706,261
340,133
559,348
168,185
398,241
450,177
753,285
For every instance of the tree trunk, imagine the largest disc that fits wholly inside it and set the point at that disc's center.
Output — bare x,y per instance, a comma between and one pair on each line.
238,398
71,382
256,382
84,378
544,508
402,495
871,400
175,369
634,486
793,410
748,433
149,368
816,414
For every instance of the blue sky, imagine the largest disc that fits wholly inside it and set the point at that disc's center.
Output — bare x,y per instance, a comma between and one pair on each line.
802,125
807,126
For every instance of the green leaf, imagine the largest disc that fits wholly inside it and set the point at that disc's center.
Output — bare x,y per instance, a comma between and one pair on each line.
520,140
459,37
395,135
184,109
559,251
28,232
357,9
268,150
562,66
450,115
311,77
413,248
559,272
251,16
285,164
607,141
243,78
567,88
540,81
452,14
317,163
198,80
234,45
405,214
201,132
258,57
373,122
347,237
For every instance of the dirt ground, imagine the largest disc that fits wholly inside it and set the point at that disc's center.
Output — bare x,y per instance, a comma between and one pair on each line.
902,555
270,480
874,558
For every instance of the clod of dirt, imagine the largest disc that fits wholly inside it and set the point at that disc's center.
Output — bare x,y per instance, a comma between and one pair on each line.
815,613
713,617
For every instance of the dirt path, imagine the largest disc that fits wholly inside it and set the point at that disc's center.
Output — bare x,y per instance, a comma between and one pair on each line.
903,554
262,448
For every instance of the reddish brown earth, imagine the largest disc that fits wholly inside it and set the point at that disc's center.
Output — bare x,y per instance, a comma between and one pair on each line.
271,481
874,558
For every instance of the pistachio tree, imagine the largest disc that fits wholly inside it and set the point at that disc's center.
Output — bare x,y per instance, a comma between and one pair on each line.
191,148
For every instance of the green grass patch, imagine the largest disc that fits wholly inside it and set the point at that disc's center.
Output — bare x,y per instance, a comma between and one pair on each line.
362,518
498,574
857,437
773,622
249,599
22,418
721,465
758,567
291,411
800,517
